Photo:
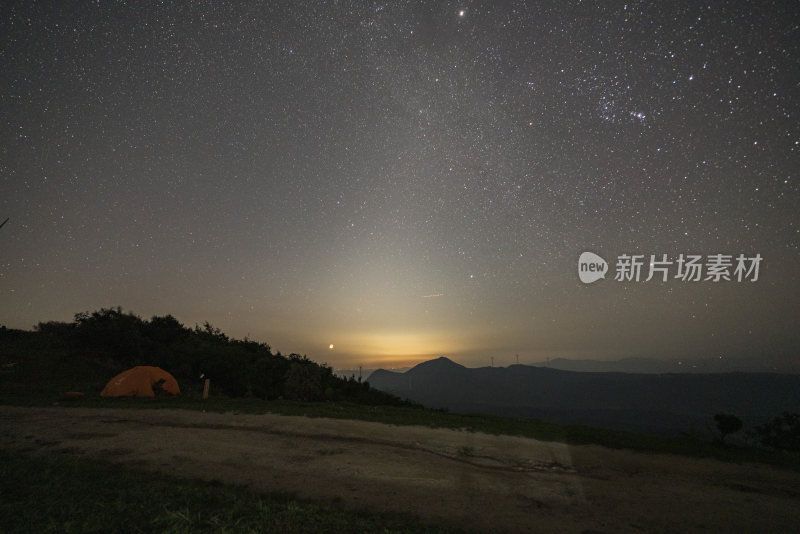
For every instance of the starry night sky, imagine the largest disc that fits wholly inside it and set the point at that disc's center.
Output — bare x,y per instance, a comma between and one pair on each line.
405,179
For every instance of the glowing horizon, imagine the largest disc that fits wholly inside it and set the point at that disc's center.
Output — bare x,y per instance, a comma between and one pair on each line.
406,182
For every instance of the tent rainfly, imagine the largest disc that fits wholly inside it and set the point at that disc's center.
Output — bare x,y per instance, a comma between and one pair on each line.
139,382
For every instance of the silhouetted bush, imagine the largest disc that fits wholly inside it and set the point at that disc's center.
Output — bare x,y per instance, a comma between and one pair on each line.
227,372
111,335
782,433
303,380
727,424
269,373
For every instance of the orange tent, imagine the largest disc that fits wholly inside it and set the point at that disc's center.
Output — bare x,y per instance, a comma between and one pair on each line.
139,382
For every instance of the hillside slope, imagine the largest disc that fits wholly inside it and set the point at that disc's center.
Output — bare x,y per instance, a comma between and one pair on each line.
661,403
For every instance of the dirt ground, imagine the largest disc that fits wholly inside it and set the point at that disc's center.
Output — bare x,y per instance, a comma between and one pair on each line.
446,476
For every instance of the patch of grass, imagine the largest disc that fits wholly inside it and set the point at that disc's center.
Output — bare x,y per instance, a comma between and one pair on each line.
66,495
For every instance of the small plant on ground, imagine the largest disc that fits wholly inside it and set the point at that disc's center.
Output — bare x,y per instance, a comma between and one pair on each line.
727,424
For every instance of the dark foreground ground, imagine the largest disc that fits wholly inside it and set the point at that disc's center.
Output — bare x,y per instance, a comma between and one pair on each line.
451,477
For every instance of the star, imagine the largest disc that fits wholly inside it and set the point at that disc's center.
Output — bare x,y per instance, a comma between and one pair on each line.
312,183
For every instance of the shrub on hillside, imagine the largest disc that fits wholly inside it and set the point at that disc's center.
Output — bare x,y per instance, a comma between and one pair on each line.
782,433
303,381
227,369
268,375
727,424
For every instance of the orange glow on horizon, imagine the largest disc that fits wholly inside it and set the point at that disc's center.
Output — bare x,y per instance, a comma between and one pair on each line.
390,364
392,348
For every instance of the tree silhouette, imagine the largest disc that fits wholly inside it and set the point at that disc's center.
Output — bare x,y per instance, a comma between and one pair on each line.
727,424
304,381
111,340
782,433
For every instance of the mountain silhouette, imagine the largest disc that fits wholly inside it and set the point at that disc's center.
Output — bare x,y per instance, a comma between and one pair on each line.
438,365
762,364
658,403
626,365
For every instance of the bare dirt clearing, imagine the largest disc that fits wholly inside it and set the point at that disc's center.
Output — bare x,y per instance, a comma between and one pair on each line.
454,477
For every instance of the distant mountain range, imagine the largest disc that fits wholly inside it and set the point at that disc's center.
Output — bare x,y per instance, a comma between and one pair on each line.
665,403
697,365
